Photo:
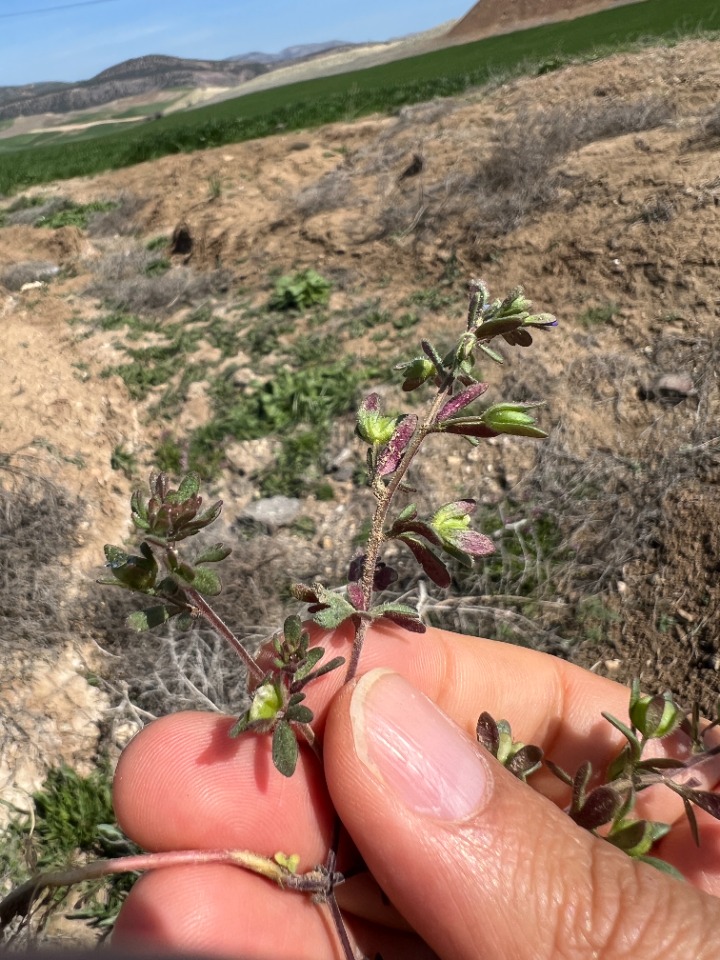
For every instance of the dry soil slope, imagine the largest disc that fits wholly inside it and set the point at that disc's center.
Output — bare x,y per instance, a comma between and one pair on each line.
490,17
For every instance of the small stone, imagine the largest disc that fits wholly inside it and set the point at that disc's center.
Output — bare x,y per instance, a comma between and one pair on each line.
272,512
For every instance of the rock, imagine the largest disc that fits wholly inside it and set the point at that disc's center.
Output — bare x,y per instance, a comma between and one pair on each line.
670,388
28,274
272,512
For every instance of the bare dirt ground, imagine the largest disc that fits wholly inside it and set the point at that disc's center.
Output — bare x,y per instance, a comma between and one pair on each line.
617,233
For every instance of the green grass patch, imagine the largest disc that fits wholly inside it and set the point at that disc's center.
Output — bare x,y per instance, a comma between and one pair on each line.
72,818
75,215
597,316
380,89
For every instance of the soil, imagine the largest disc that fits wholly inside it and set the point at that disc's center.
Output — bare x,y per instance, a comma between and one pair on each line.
490,17
625,253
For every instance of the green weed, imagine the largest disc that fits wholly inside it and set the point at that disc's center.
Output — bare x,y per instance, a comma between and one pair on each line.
72,817
595,316
75,215
299,291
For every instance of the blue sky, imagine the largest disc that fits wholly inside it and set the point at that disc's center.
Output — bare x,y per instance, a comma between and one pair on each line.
61,40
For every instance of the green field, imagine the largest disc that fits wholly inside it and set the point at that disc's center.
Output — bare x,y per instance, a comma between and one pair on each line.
347,96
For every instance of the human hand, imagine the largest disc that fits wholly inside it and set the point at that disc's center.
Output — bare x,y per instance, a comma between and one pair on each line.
477,864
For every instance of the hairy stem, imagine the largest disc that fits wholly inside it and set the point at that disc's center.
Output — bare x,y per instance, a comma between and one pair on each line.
19,901
376,539
220,627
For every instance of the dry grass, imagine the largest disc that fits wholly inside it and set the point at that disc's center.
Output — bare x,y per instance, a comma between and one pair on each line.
15,276
38,524
118,222
139,281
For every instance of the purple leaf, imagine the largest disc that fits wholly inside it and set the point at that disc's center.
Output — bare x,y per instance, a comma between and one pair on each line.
413,624
356,568
487,733
456,404
384,576
430,562
355,596
389,459
599,808
476,544
707,801
518,338
415,526
468,427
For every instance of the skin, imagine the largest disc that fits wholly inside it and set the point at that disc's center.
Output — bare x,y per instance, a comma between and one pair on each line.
516,880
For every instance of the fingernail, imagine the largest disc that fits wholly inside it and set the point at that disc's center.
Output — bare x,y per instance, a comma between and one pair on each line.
431,766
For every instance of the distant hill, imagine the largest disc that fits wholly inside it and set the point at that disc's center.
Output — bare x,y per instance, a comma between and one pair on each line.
130,78
301,51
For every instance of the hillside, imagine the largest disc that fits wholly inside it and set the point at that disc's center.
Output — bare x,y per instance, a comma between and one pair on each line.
490,17
141,75
137,310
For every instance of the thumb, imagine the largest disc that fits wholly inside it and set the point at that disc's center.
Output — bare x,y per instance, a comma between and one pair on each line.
479,864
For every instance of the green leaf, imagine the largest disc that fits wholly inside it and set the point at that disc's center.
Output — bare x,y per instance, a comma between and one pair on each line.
214,554
299,714
663,866
147,619
313,656
207,582
284,749
189,487
337,610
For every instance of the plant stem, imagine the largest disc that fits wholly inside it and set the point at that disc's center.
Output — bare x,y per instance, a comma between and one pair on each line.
220,627
376,539
19,901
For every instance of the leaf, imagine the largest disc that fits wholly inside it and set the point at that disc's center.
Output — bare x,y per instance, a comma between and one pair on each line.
299,714
633,741
457,403
497,357
409,513
599,807
487,733
559,772
467,427
356,596
313,656
189,487
706,800
415,526
337,609
663,866
429,561
326,668
147,619
214,554
525,762
404,616
284,749
207,582
390,458
580,782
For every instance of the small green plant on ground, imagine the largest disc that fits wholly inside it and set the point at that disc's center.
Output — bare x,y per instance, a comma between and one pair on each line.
178,584
123,460
75,215
72,819
596,316
300,291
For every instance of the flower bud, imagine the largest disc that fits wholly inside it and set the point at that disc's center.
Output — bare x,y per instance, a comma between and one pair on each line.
267,703
511,418
373,426
416,371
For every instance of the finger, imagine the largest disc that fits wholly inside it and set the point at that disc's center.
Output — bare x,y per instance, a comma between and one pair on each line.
183,783
220,911
477,863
